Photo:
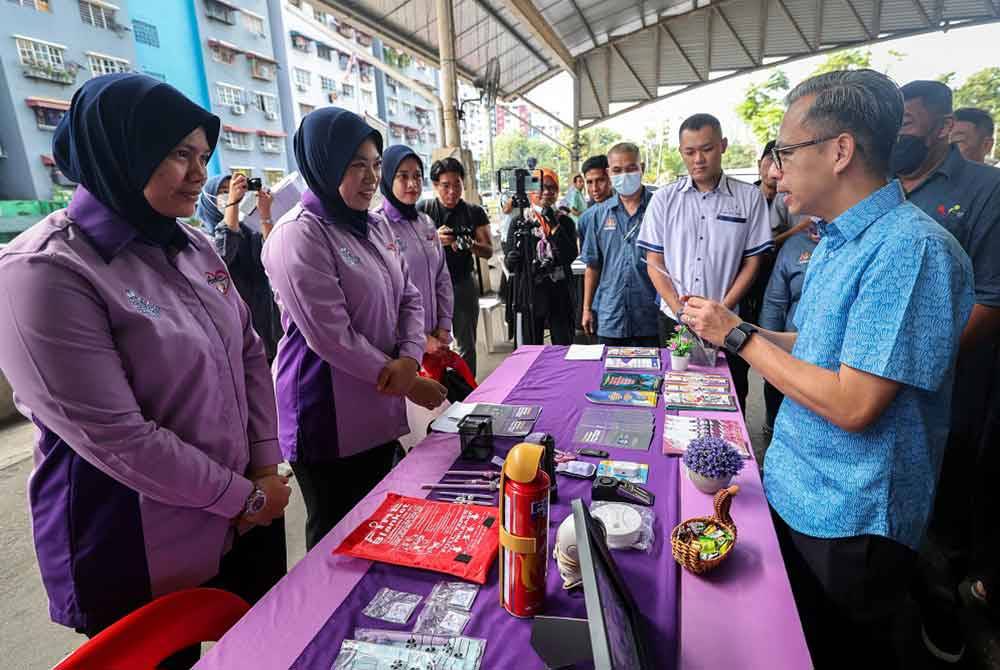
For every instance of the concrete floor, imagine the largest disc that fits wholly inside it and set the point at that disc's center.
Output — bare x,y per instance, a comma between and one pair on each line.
29,641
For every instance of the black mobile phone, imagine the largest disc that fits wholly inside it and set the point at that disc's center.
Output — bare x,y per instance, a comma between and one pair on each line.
253,184
595,453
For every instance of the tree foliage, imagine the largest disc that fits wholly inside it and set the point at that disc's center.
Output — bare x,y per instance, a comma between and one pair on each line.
764,106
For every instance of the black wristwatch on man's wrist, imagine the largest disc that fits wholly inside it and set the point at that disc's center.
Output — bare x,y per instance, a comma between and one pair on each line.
738,337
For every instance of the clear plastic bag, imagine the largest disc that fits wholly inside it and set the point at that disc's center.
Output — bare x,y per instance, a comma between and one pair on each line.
647,537
392,606
459,595
437,619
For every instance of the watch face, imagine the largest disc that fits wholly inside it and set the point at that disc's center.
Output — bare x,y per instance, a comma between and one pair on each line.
256,502
735,339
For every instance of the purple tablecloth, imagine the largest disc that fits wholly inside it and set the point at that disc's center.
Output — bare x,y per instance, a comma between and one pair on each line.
652,577
746,603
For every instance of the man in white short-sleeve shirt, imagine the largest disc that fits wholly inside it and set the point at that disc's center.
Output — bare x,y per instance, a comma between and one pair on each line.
705,233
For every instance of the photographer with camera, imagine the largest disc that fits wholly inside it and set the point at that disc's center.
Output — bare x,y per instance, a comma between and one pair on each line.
240,248
464,231
540,249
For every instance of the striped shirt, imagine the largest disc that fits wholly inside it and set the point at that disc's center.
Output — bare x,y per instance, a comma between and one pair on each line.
704,237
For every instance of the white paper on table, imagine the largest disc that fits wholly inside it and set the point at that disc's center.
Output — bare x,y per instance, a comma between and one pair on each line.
585,352
286,193
448,422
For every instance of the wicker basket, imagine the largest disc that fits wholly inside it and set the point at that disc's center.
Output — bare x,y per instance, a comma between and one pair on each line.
688,554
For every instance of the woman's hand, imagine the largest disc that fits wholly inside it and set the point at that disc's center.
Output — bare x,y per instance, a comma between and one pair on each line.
237,189
427,393
264,201
277,492
397,376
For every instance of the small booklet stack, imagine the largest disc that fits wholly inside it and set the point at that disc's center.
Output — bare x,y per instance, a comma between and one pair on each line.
633,358
620,429
678,431
697,391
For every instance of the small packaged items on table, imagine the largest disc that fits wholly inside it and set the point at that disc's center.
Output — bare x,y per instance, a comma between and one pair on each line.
392,606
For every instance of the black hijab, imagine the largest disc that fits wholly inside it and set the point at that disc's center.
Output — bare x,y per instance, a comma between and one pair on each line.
118,129
391,159
325,143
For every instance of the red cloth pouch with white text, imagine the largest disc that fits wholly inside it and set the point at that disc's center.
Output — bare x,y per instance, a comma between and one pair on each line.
455,539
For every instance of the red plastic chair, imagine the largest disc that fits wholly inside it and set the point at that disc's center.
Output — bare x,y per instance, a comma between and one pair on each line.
144,638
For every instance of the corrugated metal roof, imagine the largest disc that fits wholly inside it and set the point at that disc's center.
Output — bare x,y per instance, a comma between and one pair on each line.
626,51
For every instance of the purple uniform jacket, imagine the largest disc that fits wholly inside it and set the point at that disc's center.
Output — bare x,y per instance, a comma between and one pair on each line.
153,397
348,308
418,242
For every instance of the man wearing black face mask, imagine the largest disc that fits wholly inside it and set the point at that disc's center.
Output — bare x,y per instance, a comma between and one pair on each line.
964,197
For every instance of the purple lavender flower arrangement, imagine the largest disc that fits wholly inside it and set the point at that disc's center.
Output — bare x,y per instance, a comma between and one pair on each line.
712,457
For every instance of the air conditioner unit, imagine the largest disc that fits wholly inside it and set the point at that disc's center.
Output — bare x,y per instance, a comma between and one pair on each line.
238,109
303,88
271,116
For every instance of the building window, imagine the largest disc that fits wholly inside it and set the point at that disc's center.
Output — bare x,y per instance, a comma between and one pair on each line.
229,95
261,69
303,78
236,140
220,12
48,118
254,23
393,105
295,3
327,83
344,60
272,176
347,90
40,54
392,85
367,97
245,171
300,42
221,53
319,15
324,51
270,145
145,33
101,64
266,103
98,15
306,109
39,5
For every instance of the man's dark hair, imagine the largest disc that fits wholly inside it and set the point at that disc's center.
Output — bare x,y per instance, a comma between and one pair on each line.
935,95
980,118
698,121
864,103
446,165
595,163
766,152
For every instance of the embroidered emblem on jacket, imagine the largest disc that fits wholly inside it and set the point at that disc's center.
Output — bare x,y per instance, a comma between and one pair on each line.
141,305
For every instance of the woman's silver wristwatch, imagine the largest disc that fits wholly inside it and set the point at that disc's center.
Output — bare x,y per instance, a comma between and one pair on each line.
255,502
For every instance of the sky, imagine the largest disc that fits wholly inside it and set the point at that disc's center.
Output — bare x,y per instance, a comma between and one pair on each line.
962,50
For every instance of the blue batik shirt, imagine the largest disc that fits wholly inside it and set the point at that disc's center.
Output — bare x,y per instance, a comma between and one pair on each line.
626,302
888,291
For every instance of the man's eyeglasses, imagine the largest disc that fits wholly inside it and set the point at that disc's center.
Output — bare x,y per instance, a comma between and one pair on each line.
776,151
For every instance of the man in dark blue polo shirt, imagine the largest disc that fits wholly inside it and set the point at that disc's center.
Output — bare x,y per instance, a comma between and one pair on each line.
626,302
964,197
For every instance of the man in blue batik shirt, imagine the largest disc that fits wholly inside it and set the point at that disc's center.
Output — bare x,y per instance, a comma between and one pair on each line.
858,442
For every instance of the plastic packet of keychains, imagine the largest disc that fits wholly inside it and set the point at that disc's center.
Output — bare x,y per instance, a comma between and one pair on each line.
451,652
358,655
437,619
392,606
646,536
459,595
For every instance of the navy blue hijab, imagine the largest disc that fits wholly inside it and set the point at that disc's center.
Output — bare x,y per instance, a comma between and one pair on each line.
325,143
391,159
118,129
208,211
